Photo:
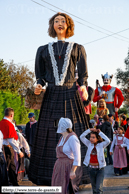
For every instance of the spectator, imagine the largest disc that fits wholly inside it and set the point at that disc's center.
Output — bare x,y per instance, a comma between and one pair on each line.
3,167
106,128
123,121
10,143
114,123
127,124
28,129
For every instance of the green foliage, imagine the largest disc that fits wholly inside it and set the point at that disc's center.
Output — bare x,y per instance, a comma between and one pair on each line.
123,110
94,108
7,99
14,80
4,76
122,78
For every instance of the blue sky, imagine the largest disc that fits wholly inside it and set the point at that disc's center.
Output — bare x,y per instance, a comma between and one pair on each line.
24,27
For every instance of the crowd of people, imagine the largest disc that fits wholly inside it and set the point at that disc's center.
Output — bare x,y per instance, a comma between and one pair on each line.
14,148
107,137
65,147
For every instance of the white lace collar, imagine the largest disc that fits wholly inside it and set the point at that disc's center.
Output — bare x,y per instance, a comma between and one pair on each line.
59,80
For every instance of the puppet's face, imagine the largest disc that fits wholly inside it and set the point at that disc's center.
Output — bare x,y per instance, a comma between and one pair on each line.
60,26
106,81
101,104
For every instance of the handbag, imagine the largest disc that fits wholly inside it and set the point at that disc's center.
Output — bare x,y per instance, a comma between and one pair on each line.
33,101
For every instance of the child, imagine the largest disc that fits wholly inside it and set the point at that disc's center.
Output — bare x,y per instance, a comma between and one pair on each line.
120,160
95,157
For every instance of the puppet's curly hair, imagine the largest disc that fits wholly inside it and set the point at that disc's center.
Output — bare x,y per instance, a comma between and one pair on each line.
70,25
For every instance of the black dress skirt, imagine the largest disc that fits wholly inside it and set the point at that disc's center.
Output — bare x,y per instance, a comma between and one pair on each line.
59,101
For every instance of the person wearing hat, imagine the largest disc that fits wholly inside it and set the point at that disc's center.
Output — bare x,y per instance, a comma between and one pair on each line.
29,130
67,169
112,95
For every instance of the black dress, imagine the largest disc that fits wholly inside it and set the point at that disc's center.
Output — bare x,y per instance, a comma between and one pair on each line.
58,101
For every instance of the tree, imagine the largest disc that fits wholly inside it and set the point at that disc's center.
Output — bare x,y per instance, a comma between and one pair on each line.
4,76
122,78
21,78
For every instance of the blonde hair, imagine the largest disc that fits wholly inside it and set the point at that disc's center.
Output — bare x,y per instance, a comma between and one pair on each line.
102,100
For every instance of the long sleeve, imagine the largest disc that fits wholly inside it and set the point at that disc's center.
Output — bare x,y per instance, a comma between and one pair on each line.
23,143
75,147
96,96
119,98
14,144
1,141
40,67
125,143
84,139
82,66
113,144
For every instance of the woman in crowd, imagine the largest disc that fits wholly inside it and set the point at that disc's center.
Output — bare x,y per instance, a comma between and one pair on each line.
67,166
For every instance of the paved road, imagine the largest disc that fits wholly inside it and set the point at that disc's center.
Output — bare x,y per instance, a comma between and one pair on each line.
112,184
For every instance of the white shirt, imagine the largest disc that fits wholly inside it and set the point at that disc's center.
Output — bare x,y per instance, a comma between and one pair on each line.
124,144
99,147
72,149
1,141
23,143
12,141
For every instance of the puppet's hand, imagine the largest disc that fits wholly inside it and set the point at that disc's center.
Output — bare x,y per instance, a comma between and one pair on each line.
84,92
38,89
116,109
102,93
111,153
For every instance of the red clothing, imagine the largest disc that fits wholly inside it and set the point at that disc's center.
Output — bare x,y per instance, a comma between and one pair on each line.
8,129
124,122
127,133
118,98
93,156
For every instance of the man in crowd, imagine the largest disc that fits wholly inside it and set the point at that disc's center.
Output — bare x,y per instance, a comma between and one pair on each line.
114,123
30,129
10,143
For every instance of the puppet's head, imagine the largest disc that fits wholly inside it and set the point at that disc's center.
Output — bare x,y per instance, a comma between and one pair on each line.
107,79
101,103
61,23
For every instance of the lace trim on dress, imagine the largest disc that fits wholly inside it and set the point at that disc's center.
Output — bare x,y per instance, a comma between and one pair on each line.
59,80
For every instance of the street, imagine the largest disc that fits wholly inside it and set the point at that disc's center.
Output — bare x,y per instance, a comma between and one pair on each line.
112,184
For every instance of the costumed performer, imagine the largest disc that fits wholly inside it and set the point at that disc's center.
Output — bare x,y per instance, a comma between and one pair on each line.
68,164
101,108
55,64
114,95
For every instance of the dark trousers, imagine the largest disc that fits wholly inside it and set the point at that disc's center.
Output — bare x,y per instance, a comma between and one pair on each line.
97,177
9,154
109,157
3,171
118,171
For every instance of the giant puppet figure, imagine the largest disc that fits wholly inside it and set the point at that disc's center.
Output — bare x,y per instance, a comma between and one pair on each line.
55,64
112,95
